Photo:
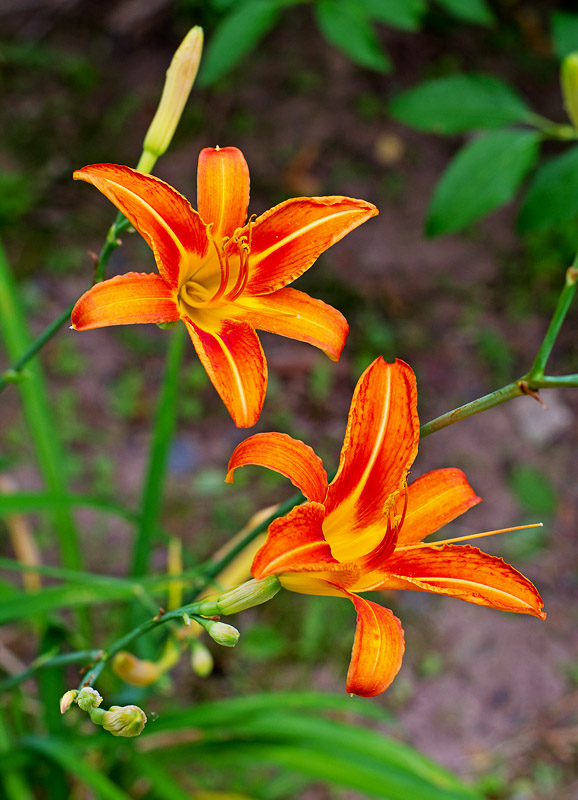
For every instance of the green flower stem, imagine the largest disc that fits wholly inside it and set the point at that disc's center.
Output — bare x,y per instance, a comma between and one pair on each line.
164,427
564,301
184,613
14,373
78,657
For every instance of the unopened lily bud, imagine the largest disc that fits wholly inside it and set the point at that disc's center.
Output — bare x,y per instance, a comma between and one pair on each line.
124,720
201,660
221,633
88,698
178,84
136,671
249,594
67,700
569,81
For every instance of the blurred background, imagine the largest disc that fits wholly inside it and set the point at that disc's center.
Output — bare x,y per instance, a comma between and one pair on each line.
307,91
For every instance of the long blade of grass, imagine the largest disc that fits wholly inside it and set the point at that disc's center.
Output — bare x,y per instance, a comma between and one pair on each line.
72,761
15,784
26,502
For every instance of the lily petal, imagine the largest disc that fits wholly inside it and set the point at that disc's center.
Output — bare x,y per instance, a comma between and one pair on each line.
294,314
295,543
291,457
380,445
377,650
287,239
163,217
223,189
235,363
124,300
464,572
434,500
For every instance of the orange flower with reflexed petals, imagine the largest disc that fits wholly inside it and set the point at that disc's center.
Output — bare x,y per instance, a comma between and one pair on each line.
222,275
364,531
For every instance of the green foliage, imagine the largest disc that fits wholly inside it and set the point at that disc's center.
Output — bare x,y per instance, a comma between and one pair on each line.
236,35
483,176
552,196
533,490
476,11
347,25
403,14
459,103
564,33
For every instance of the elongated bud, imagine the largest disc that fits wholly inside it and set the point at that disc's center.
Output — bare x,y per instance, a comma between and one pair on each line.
124,720
88,698
249,594
178,84
201,660
569,81
221,633
136,671
67,700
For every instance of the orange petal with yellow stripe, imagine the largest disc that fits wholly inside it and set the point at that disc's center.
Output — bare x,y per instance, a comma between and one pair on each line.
464,572
124,300
164,218
235,363
434,500
287,239
291,457
379,447
294,314
223,189
377,649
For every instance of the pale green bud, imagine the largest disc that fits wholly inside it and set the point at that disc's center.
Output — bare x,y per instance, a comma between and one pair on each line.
201,660
569,81
88,698
249,594
124,720
221,633
178,84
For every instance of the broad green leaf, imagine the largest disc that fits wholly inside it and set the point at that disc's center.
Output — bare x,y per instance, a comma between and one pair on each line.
71,760
565,33
459,103
476,11
235,37
228,712
484,175
533,490
403,14
346,25
552,196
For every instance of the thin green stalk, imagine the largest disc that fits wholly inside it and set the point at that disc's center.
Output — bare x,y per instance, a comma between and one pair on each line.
164,426
189,611
564,301
38,415
14,373
63,660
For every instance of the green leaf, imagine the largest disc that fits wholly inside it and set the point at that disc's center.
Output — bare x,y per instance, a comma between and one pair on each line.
403,14
71,759
459,103
41,603
533,490
484,175
476,11
553,193
345,24
25,502
324,749
235,37
564,33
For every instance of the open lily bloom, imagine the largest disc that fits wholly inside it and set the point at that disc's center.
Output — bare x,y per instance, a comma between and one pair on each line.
222,275
364,531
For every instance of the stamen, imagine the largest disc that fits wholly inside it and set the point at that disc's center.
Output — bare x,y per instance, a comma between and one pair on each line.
223,264
471,536
244,244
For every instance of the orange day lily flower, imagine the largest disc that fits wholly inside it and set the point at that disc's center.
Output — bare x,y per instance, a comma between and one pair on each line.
222,275
364,531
